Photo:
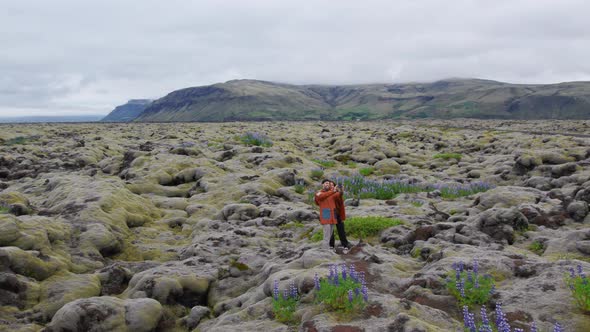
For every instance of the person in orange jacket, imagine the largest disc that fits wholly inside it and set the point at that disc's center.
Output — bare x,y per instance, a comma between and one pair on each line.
340,217
331,204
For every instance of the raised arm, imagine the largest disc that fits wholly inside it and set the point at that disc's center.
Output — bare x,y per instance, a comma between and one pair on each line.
320,196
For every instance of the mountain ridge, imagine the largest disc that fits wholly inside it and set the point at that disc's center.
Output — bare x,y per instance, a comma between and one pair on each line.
256,100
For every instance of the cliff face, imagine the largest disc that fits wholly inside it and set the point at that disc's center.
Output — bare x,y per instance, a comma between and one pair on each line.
251,100
127,112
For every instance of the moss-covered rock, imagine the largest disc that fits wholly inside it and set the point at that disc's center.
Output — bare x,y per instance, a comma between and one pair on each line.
9,229
29,263
107,314
386,167
65,287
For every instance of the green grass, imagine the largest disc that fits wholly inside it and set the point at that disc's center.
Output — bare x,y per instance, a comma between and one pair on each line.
447,156
537,247
256,139
21,140
361,227
367,227
417,203
335,297
351,164
366,171
316,173
324,163
473,295
4,209
580,289
299,188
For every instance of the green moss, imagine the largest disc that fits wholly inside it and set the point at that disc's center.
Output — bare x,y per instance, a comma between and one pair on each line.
537,247
366,171
238,265
447,156
65,287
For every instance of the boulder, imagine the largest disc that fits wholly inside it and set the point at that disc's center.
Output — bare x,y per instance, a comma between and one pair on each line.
387,166
578,210
97,314
507,196
500,223
241,212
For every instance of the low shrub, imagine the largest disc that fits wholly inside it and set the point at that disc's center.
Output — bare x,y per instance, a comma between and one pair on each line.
256,139
366,171
285,304
468,286
447,156
366,227
577,282
344,292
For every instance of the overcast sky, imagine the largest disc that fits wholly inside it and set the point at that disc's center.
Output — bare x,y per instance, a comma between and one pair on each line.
86,57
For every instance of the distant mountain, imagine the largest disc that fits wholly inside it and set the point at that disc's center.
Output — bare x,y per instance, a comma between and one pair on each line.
127,112
35,119
252,100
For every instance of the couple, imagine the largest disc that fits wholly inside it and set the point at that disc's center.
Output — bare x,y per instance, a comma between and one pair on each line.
331,204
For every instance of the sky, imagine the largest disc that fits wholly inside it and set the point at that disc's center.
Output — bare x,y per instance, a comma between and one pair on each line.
86,57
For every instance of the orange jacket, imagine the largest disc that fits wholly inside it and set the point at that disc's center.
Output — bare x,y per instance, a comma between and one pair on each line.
329,201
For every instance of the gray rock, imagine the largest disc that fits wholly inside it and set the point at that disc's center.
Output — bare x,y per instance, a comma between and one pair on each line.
538,182
508,196
583,246
197,313
239,212
500,223
583,195
578,210
563,170
97,314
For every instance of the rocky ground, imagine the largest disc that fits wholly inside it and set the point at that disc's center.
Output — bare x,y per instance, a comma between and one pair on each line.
176,227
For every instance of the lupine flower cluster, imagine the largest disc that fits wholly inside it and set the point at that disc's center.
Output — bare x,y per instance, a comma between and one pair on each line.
344,290
501,324
362,187
468,286
577,281
284,304
255,138
460,190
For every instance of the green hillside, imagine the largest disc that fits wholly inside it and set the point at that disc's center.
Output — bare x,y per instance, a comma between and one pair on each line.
251,100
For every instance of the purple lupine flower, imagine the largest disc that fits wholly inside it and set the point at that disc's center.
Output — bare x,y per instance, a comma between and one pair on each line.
350,296
580,271
276,290
286,294
470,276
534,327
362,278
572,272
493,290
293,289
476,283
469,320
475,267
316,281
344,271
516,329
357,291
365,292
557,327
484,316
465,316
352,273
457,272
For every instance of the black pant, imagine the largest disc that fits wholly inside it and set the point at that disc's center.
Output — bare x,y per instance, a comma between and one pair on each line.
341,233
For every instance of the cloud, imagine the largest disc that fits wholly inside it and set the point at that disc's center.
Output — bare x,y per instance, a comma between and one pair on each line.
73,56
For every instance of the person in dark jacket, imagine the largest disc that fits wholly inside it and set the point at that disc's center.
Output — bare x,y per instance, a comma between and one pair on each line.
340,217
326,199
